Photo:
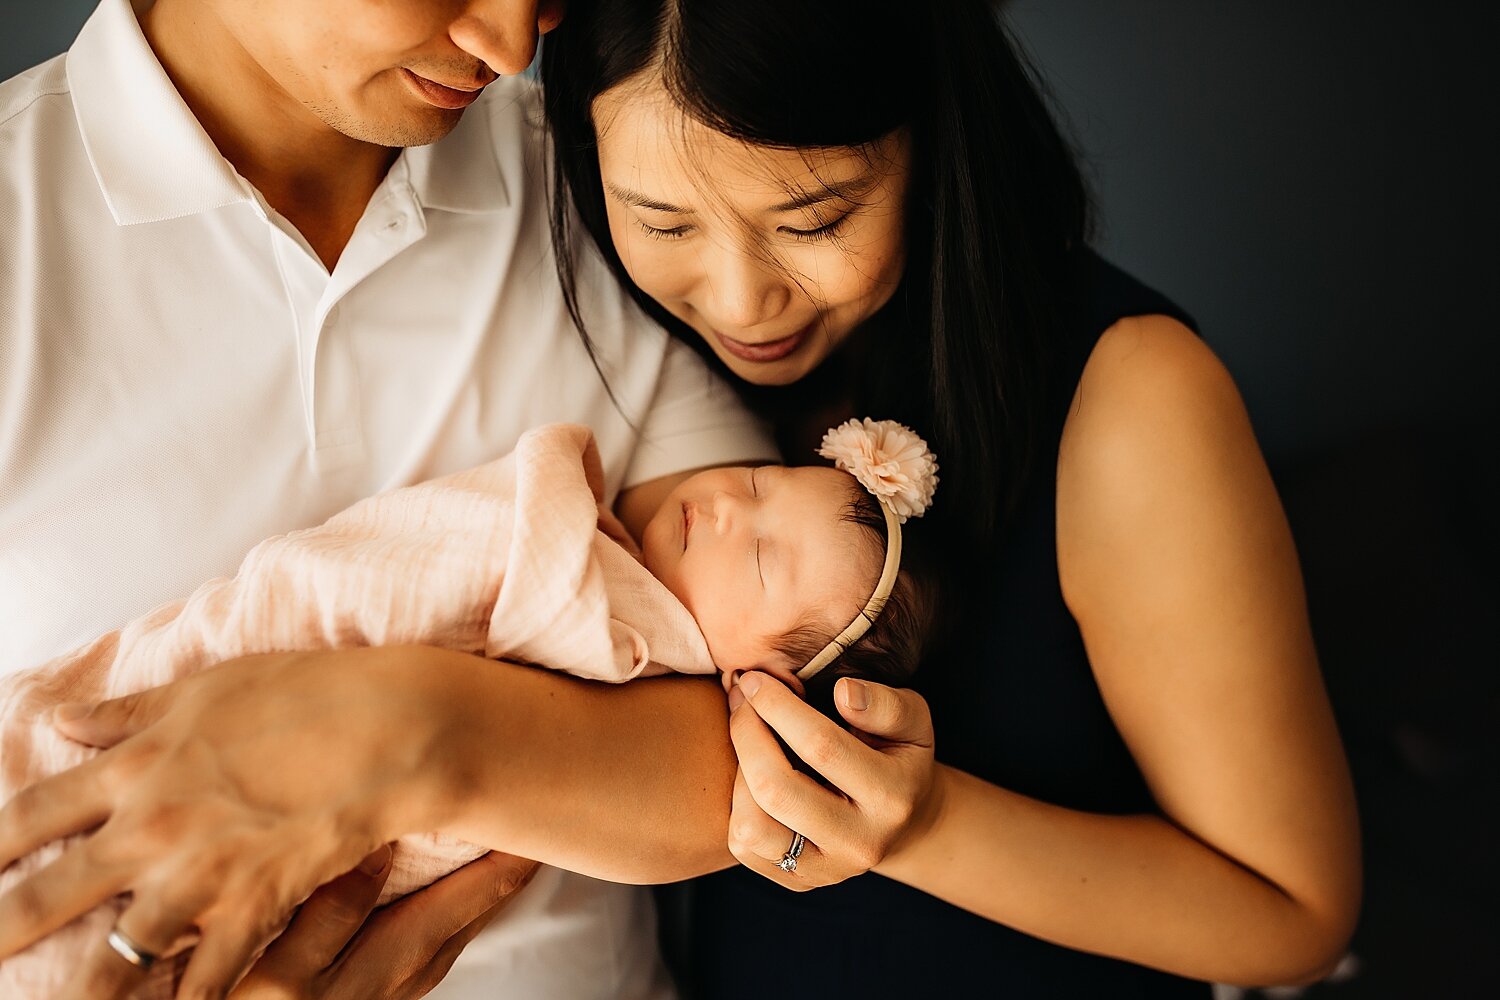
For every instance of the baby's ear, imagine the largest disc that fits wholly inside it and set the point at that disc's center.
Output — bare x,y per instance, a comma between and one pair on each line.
819,696
781,668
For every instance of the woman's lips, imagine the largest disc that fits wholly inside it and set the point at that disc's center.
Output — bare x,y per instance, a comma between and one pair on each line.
771,350
687,523
439,96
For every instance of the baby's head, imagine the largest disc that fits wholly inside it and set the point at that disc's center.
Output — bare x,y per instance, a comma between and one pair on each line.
774,562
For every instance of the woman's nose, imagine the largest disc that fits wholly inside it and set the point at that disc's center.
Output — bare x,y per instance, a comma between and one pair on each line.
745,292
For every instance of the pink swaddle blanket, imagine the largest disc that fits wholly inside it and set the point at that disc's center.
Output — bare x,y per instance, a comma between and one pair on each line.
518,559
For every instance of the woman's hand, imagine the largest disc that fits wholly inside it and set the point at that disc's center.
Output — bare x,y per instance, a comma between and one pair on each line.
334,949
224,800
884,789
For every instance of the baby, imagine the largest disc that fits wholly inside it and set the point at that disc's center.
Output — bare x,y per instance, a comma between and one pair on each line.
520,559
772,562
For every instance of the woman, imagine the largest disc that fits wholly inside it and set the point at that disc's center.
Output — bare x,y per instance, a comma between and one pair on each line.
1138,764
866,208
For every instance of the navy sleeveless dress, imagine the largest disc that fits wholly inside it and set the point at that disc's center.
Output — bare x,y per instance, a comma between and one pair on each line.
1017,706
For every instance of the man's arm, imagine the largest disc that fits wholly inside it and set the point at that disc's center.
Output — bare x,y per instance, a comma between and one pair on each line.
302,763
630,783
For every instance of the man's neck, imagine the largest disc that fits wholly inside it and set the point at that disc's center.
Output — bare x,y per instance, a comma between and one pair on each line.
316,177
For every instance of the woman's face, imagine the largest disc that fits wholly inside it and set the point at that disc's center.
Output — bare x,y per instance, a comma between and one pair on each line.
774,256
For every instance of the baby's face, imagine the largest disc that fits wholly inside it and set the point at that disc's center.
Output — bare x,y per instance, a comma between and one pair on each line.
752,552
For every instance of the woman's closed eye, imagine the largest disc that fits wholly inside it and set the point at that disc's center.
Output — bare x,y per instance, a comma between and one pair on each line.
827,230
657,233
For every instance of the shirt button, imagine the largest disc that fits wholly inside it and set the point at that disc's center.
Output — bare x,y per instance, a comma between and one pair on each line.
396,224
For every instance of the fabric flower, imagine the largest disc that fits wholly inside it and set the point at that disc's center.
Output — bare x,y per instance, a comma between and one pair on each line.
888,459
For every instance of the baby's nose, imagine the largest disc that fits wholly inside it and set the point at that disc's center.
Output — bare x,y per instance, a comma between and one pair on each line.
727,512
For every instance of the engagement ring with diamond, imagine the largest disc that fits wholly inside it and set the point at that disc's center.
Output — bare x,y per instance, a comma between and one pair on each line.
788,863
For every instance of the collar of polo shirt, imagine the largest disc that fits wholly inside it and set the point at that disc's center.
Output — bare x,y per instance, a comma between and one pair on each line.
111,67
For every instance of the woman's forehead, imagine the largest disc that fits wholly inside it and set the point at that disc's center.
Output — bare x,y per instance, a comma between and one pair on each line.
650,146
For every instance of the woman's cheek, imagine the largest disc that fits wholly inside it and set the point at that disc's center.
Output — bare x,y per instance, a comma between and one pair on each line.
882,255
662,271
864,262
653,265
840,276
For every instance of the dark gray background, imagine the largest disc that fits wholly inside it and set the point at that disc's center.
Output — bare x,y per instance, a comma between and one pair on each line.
1311,180
1314,181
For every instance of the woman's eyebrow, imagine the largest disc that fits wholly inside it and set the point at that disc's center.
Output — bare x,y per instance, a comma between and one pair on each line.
847,190
644,201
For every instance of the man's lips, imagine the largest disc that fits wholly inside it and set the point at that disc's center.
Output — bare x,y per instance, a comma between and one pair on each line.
771,350
434,93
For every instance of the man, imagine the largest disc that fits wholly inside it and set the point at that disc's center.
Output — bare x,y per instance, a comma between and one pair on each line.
259,260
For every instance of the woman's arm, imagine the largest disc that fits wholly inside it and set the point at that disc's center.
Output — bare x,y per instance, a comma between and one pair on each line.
1133,887
1177,562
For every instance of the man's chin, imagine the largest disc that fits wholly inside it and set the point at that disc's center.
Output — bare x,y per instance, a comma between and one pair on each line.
420,127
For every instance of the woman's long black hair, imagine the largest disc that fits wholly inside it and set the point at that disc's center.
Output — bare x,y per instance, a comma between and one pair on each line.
996,199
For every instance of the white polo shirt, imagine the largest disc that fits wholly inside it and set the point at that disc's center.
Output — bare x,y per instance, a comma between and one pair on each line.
181,377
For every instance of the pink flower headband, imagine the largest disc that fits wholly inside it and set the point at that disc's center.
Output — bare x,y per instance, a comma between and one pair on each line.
896,465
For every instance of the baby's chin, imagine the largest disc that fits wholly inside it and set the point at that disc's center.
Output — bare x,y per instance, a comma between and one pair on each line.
654,552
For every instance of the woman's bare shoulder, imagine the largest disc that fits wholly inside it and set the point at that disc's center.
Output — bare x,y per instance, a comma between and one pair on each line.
1156,425
1146,371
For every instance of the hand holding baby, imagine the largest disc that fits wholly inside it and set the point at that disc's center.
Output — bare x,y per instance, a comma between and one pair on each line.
882,779
274,807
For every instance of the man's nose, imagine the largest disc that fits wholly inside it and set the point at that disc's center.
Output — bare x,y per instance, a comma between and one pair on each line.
504,33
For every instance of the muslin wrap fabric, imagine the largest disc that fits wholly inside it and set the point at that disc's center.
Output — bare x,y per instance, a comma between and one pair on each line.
518,559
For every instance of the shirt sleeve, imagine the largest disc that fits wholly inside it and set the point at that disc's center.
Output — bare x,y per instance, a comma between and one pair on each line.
696,420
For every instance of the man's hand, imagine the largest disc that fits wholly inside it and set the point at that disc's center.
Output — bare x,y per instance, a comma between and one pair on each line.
335,950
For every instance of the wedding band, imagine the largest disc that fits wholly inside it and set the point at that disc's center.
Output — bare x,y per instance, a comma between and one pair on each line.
788,862
130,951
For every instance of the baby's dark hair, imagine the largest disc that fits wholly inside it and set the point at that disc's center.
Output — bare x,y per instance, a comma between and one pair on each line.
892,649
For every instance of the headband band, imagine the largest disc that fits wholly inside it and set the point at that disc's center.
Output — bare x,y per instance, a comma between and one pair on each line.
899,470
862,621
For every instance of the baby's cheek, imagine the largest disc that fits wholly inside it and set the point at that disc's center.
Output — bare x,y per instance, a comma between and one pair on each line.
718,634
